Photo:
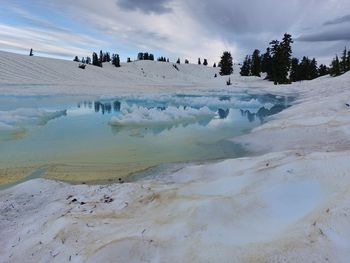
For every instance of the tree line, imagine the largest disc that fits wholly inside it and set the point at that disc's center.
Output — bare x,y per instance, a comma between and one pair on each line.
281,68
342,65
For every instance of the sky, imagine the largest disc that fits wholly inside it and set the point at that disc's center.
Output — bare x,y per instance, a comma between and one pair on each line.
173,28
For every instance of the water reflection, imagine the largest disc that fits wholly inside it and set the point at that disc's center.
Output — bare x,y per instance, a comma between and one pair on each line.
223,113
101,107
263,112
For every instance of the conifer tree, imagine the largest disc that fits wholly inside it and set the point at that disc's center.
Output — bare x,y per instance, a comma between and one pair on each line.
83,60
205,62
294,71
256,63
323,70
214,66
266,64
108,57
186,61
348,61
199,61
335,67
313,69
95,60
128,60
246,67
226,64
343,64
31,53
276,61
151,57
140,56
76,59
116,60
101,58
178,61
88,60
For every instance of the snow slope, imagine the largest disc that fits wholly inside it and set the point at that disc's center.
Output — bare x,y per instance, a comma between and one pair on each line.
290,203
37,75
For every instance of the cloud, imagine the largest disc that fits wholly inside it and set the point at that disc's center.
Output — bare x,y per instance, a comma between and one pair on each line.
180,28
339,20
335,33
150,6
57,43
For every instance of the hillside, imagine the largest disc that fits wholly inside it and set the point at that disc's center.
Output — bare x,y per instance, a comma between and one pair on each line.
35,72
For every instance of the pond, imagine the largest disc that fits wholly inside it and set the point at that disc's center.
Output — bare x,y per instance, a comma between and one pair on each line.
90,139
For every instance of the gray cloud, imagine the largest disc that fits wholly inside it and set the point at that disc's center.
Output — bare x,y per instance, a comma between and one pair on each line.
339,20
150,6
337,34
193,28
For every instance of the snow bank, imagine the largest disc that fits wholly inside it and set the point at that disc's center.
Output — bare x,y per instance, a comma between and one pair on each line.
141,116
271,208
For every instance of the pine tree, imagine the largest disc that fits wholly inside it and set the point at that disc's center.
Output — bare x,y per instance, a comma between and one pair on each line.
313,69
323,70
101,58
178,61
343,64
83,60
151,57
140,56
128,60
108,57
246,67
348,61
205,62
294,71
256,63
88,60
95,60
335,67
214,66
167,60
199,61
116,60
186,61
276,61
266,64
76,59
304,69
226,64
31,53
286,50
145,56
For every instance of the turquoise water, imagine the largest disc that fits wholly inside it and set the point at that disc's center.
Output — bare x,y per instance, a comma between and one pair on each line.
88,139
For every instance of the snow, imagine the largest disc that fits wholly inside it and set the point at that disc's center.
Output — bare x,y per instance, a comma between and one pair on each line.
288,203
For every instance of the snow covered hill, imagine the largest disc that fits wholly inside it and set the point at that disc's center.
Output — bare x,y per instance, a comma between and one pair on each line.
36,73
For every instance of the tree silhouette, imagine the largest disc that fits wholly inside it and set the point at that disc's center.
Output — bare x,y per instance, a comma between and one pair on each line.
256,63
226,64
